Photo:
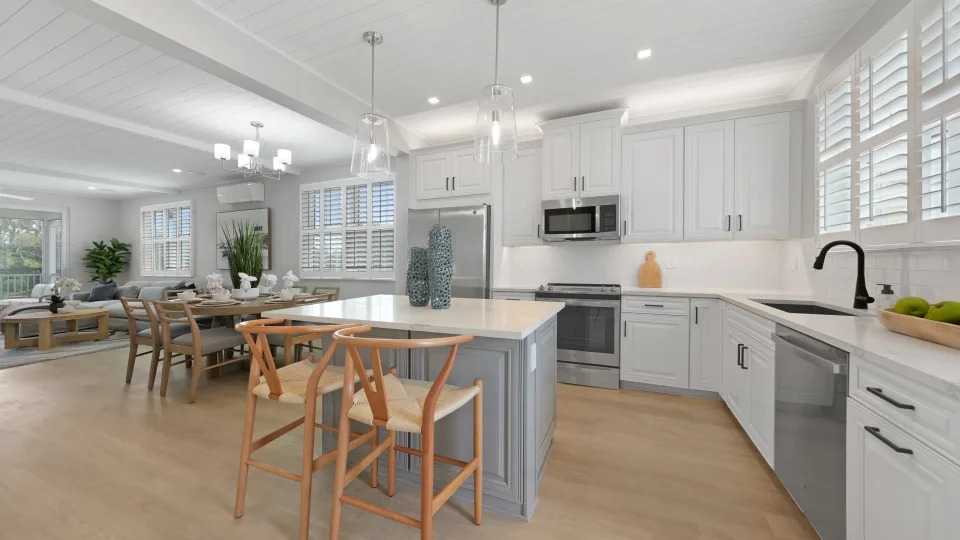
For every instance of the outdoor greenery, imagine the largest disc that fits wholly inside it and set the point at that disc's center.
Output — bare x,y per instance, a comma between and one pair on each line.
106,261
243,248
21,246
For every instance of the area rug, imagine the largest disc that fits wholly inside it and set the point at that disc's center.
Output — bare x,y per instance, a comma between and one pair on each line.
29,355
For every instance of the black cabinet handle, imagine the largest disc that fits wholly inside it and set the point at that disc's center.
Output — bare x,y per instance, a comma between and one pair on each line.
879,393
740,354
653,305
582,181
453,182
696,314
624,227
875,431
743,361
574,183
739,222
538,230
728,222
447,188
624,328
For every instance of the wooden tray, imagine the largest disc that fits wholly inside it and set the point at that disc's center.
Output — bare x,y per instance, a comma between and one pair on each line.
925,329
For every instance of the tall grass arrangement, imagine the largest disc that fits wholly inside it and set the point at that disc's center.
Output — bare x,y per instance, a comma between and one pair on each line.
243,248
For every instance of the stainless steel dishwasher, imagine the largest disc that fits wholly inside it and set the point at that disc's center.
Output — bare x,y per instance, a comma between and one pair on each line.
810,428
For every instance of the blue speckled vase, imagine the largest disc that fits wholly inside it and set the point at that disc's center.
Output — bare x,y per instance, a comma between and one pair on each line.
418,283
440,266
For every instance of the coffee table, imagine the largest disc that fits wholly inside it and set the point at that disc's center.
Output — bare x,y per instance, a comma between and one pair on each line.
45,320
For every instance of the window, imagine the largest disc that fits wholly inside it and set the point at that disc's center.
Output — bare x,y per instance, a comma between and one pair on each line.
166,239
883,184
883,89
834,118
940,188
347,229
940,59
835,204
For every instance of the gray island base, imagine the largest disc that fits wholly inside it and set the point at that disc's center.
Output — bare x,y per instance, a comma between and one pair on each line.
515,354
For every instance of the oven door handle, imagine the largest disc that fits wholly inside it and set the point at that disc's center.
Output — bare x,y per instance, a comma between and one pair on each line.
585,303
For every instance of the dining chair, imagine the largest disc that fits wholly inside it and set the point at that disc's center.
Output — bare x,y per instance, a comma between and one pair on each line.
139,311
320,295
405,405
332,293
301,383
211,343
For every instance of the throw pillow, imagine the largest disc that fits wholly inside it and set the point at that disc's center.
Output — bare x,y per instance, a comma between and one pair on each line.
102,291
127,291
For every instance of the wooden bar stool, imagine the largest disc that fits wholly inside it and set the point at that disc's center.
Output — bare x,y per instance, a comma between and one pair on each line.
299,383
404,405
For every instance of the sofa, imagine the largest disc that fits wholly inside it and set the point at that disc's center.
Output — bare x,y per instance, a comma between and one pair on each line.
147,290
39,294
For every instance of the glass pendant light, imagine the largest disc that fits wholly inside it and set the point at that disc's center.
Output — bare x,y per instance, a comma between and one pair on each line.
371,148
496,139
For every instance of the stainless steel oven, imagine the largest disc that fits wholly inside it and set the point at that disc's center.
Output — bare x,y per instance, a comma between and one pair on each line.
588,340
589,218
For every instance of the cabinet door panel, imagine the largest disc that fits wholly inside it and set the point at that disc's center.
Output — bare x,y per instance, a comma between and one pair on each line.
736,381
762,383
521,199
706,344
433,175
599,158
708,181
652,183
467,176
763,176
891,495
656,349
561,163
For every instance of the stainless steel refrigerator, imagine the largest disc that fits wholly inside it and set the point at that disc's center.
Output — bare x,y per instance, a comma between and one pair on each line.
470,227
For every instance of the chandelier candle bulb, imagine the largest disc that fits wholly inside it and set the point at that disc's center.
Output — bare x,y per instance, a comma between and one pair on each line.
251,148
243,161
221,151
286,156
278,164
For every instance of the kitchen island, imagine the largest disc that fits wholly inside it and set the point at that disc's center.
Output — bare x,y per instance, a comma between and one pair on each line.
515,354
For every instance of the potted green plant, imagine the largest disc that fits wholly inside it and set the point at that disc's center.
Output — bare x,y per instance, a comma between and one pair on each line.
243,247
106,261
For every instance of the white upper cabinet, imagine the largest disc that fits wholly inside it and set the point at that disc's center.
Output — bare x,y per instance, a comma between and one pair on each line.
451,173
708,181
581,156
521,199
561,162
600,158
652,199
763,176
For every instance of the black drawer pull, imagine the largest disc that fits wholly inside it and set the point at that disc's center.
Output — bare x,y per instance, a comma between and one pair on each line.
879,393
875,431
743,361
740,354
653,305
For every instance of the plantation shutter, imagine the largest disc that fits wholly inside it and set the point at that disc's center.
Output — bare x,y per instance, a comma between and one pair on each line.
940,52
147,261
883,184
166,233
834,120
940,189
312,214
883,89
835,202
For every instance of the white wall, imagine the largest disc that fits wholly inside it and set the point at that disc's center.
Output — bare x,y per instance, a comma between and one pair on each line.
283,199
88,220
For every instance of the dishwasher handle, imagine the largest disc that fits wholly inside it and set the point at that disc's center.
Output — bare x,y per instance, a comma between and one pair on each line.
834,367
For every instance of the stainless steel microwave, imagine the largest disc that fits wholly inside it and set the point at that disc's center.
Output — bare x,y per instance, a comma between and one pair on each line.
588,218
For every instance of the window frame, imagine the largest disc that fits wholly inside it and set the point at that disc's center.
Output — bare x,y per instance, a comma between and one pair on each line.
367,226
144,243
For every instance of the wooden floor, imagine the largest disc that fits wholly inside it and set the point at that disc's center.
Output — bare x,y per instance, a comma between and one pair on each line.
84,457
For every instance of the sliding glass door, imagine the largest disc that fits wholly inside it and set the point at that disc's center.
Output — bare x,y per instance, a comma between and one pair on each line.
31,250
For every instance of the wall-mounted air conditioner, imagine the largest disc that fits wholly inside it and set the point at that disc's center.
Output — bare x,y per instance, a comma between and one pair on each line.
240,193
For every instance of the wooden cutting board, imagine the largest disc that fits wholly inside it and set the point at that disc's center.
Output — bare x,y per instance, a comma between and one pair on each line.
650,276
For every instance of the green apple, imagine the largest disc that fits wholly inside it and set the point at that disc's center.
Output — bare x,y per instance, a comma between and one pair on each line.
948,312
913,306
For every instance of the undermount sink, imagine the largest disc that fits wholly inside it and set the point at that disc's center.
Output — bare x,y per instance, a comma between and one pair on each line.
809,308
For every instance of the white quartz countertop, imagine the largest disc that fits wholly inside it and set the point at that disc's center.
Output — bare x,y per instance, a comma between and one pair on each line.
503,319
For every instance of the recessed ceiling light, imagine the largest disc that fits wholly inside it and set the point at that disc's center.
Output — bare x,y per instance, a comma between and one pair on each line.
526,79
91,187
433,100
17,197
644,54
178,171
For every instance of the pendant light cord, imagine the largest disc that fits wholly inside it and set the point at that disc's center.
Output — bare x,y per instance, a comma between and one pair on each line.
496,50
373,62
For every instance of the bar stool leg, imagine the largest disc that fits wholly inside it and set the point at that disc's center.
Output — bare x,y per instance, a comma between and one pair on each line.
478,453
251,411
340,470
374,469
306,480
426,479
391,463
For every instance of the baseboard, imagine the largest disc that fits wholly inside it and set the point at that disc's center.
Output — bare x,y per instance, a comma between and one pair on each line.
660,389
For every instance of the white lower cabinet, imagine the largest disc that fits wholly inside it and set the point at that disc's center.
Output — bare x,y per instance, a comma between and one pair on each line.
897,487
748,386
706,338
655,349
735,387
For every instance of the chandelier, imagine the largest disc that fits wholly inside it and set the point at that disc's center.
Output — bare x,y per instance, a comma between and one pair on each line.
248,161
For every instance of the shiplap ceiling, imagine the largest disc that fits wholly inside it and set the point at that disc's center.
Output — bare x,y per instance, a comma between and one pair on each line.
580,53
91,107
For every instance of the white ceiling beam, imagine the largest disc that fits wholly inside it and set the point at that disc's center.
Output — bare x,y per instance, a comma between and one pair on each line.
29,100
197,36
99,180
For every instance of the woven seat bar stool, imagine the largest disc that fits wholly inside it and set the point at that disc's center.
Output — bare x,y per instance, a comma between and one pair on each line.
299,383
404,405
